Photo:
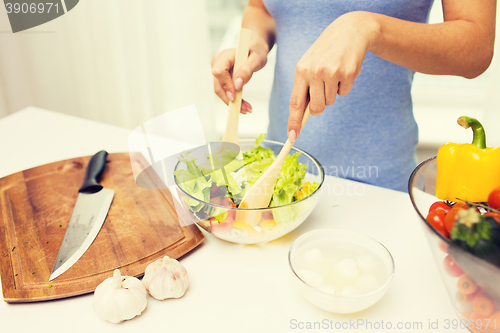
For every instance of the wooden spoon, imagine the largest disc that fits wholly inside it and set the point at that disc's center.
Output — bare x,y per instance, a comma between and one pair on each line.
233,115
242,49
260,194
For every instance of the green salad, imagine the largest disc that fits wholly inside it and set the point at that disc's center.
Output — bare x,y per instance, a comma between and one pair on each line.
230,184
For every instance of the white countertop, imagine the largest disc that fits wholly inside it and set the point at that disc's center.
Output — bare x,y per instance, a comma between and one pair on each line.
235,288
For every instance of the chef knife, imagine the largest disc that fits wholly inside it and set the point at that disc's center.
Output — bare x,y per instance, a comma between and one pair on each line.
88,216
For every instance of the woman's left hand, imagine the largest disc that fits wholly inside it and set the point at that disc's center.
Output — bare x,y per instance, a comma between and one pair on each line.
330,66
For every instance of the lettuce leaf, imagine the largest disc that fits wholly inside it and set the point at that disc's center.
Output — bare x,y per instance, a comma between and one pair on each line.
289,181
256,160
313,187
241,174
197,180
258,153
197,187
218,179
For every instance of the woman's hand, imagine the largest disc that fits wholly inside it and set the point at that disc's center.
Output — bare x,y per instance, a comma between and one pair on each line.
222,66
330,66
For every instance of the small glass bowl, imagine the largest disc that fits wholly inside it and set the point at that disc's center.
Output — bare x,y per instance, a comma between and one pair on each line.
334,302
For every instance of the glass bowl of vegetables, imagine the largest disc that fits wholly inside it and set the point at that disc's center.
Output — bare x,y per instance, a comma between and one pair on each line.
211,200
464,238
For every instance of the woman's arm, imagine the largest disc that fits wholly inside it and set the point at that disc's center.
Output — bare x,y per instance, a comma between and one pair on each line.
257,19
461,45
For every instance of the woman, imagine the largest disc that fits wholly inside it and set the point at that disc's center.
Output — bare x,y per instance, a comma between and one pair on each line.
366,52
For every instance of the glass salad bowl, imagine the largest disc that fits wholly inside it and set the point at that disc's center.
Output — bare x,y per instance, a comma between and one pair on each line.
472,283
252,226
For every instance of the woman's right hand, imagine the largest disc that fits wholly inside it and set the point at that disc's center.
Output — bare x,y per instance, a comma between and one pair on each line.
222,67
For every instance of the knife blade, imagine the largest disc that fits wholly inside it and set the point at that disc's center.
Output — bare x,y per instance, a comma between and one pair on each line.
88,216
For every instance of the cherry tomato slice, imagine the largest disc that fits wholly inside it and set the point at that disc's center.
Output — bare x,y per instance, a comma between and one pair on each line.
231,213
436,220
220,227
214,191
451,267
439,205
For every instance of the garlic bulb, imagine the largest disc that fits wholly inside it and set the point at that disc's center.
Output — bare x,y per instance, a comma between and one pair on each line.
119,298
166,278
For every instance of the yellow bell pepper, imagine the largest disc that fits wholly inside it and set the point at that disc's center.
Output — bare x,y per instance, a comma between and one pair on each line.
251,232
269,227
304,191
468,171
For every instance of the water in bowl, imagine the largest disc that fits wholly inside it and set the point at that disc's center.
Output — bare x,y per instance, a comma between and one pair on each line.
340,268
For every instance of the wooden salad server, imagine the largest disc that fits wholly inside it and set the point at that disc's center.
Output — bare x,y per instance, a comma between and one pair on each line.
260,194
233,115
242,49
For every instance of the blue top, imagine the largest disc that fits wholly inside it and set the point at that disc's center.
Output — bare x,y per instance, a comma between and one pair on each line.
369,135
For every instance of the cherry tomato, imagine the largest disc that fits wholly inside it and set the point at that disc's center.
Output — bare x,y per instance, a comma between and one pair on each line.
217,226
214,191
494,198
439,205
220,227
443,246
436,220
459,204
451,217
494,215
216,200
231,213
451,267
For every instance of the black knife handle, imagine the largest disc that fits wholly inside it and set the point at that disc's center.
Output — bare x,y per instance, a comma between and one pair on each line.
94,171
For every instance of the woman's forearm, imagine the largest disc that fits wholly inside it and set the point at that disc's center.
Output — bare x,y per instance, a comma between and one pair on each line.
462,45
257,18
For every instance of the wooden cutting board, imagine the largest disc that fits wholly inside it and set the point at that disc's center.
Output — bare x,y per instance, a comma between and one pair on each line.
36,206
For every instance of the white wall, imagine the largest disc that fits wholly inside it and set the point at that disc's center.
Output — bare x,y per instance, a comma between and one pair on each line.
120,62
439,100
123,62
